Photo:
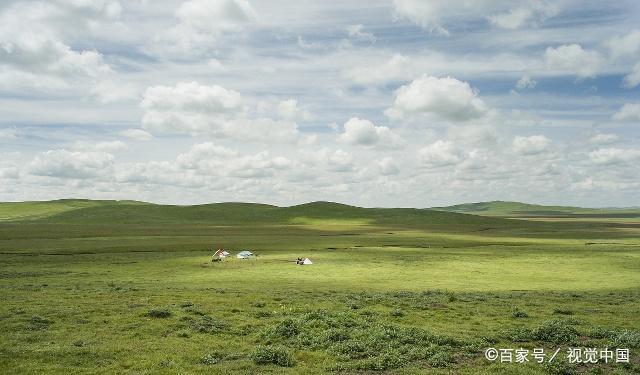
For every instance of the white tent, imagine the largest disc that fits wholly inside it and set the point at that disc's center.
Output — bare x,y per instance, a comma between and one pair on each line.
307,261
225,253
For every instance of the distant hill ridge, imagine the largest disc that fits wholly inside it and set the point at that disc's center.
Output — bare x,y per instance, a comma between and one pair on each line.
518,209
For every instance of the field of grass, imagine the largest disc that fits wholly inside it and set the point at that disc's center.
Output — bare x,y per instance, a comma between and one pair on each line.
128,287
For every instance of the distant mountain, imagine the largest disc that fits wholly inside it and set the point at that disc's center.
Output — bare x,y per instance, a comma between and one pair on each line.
518,209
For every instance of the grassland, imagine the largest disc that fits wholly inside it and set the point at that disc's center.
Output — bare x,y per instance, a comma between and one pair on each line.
128,287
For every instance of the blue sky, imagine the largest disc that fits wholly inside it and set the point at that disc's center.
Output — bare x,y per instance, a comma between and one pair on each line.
399,103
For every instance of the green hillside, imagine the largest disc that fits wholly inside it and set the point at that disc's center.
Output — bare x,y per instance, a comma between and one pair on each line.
41,209
517,209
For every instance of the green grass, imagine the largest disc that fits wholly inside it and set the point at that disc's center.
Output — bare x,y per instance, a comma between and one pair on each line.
115,287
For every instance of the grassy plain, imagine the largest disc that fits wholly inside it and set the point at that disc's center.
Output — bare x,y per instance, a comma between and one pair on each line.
128,287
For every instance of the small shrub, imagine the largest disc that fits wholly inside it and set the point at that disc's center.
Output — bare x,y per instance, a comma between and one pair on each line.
159,313
183,334
397,312
286,329
210,359
440,359
556,331
259,304
37,323
262,314
517,313
265,355
186,304
560,311
207,324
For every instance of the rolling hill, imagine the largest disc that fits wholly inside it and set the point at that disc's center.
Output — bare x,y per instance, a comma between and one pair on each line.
131,212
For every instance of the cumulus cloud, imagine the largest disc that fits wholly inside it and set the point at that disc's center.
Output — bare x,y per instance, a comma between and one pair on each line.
632,79
72,164
192,108
357,32
526,82
201,23
106,146
398,68
137,134
433,15
441,153
8,134
626,45
387,167
288,109
441,98
531,12
365,133
628,112
609,156
573,59
33,53
603,139
110,91
333,160
533,145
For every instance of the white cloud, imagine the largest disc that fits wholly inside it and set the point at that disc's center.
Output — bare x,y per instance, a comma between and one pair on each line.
442,98
533,145
526,82
201,23
433,15
363,132
628,112
33,53
627,45
216,65
8,134
441,153
603,139
137,134
192,108
609,156
398,68
356,32
72,164
107,92
573,59
387,166
334,161
289,110
530,12
632,79
106,146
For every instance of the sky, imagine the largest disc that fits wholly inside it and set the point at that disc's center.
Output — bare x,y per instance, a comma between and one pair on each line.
396,103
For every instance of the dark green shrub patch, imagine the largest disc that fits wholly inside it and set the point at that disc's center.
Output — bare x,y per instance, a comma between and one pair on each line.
159,313
276,355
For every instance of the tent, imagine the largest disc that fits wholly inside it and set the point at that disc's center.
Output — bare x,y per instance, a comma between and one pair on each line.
220,254
225,253
307,261
245,254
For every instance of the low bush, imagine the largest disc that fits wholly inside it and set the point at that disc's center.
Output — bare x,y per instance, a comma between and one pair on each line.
516,312
276,355
159,313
